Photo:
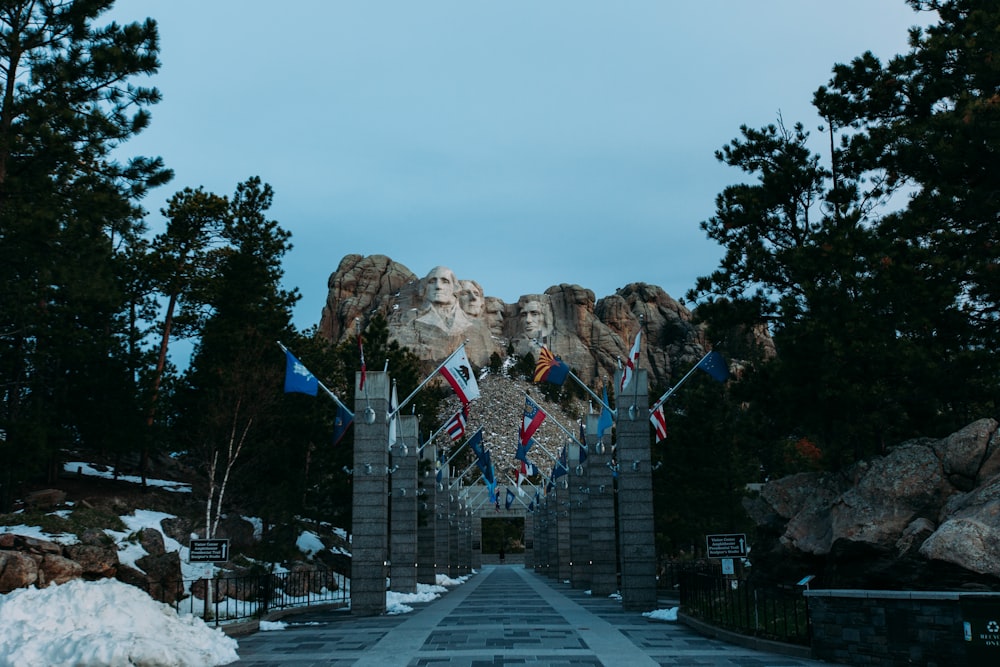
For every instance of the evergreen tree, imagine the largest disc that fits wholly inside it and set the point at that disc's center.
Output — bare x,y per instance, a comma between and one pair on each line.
68,219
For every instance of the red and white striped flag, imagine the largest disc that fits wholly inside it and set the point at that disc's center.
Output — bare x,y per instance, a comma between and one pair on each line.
456,426
659,423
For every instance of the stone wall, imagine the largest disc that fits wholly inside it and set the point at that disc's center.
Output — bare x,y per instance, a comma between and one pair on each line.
859,627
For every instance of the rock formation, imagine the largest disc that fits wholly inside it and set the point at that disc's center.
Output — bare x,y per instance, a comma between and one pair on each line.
433,315
927,514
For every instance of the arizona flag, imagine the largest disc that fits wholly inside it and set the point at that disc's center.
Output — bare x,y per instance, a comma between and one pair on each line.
533,418
550,368
298,379
456,426
659,423
457,370
631,364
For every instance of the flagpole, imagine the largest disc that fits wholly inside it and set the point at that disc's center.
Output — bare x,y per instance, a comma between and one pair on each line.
590,391
432,436
660,401
463,445
464,473
320,384
426,380
548,414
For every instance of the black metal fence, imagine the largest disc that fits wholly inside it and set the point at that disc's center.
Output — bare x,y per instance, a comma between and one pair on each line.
771,612
234,599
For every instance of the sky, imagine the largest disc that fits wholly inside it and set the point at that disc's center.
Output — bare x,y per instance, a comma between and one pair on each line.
523,144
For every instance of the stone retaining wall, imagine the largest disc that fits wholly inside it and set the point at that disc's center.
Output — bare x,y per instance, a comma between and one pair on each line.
943,629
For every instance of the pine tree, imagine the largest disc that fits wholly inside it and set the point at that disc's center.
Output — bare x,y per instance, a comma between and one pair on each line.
68,220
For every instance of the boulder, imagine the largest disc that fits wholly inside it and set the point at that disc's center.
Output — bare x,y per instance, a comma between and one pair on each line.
45,498
56,569
151,541
17,570
163,578
97,561
897,521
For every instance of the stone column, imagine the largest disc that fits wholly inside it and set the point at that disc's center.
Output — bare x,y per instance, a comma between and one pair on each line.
603,548
426,515
454,534
403,508
529,539
442,530
563,509
476,532
635,497
579,519
370,520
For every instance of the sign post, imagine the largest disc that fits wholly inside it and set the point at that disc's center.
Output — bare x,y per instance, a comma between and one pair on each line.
209,551
733,545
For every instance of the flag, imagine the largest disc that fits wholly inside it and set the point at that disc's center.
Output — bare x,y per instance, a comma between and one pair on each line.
605,420
631,364
560,467
533,418
475,443
713,364
509,499
441,463
364,369
550,368
341,422
659,423
394,420
456,426
457,370
298,379
583,444
531,506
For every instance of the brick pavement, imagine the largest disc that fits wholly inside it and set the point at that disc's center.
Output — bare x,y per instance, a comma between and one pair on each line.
504,615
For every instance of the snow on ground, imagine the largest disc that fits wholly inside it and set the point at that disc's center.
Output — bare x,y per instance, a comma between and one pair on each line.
309,543
662,614
88,470
104,623
396,603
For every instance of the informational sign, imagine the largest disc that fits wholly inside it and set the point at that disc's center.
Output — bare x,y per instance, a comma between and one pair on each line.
728,566
209,551
733,545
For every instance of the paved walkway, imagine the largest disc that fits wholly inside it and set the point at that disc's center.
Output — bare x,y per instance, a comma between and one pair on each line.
504,615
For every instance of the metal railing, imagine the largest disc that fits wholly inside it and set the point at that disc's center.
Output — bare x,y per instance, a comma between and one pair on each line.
242,598
739,605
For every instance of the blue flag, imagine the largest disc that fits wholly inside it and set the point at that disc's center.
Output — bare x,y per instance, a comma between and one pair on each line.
713,364
341,422
509,500
561,467
298,379
605,421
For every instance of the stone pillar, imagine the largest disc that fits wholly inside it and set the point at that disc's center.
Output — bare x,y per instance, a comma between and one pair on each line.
426,515
635,497
370,520
529,539
454,534
552,515
603,548
403,508
579,519
442,530
476,532
563,509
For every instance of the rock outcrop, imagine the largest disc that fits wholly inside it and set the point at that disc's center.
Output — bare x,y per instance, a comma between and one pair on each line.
926,514
589,334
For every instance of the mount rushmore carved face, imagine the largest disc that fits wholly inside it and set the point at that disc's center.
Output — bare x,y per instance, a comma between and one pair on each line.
535,317
440,287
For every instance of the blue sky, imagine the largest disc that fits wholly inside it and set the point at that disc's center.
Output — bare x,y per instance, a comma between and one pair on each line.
522,143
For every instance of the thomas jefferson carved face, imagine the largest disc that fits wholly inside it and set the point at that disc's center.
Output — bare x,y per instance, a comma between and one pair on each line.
471,298
440,286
